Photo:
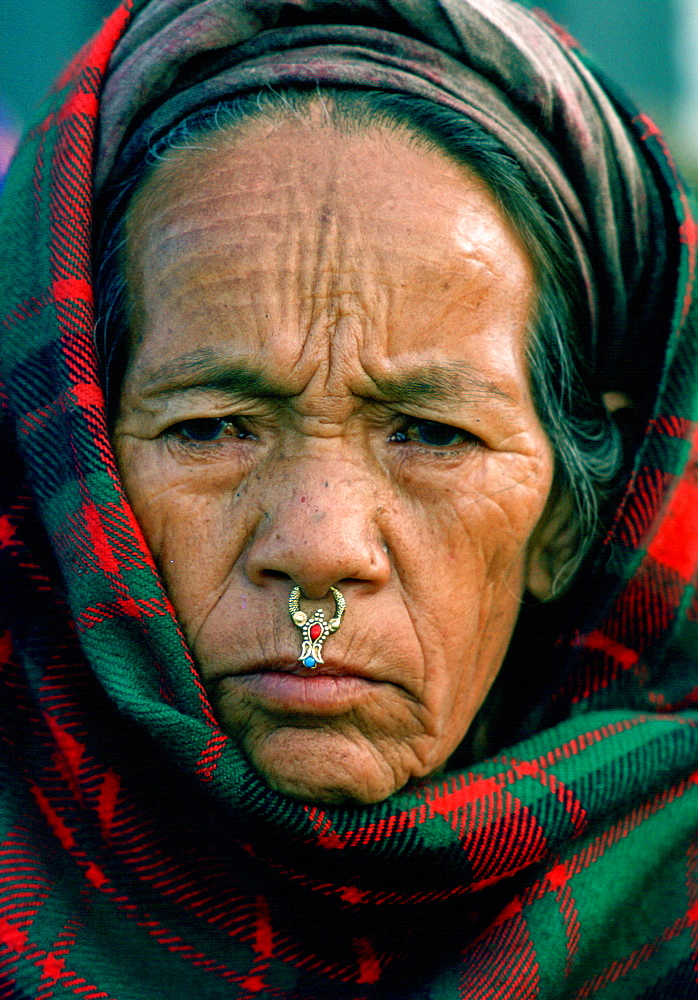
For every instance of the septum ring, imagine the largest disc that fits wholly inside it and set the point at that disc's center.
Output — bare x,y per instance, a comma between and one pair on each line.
314,628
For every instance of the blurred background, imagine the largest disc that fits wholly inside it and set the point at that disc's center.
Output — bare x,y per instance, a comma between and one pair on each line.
649,46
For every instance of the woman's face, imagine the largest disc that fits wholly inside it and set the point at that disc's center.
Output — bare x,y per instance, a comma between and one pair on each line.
327,387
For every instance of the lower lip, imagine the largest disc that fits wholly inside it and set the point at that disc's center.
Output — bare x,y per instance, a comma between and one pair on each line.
321,693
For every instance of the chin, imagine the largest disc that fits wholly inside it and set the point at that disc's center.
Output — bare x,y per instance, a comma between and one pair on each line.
319,767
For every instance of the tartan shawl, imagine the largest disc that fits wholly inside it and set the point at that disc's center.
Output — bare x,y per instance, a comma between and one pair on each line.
142,858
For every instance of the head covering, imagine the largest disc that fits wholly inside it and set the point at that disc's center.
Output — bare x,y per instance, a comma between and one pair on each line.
517,82
141,855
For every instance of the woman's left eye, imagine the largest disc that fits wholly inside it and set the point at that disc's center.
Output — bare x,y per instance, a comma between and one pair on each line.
433,434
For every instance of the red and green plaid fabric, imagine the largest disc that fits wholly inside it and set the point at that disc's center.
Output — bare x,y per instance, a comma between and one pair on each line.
141,858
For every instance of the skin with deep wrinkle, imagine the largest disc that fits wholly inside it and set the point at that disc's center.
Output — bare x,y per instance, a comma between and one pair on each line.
328,387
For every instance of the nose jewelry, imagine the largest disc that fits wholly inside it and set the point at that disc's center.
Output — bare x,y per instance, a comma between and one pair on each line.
315,629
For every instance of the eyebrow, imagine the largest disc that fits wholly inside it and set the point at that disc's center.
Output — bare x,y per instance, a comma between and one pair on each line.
203,371
438,382
432,381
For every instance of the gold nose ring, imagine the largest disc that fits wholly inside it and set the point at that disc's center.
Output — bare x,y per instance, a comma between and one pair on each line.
314,628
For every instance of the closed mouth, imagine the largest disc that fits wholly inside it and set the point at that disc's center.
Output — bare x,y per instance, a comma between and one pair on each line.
285,686
330,668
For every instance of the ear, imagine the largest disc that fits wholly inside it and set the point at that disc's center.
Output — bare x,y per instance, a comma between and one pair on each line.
552,547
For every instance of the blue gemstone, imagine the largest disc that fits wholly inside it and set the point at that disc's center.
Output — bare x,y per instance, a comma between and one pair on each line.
309,662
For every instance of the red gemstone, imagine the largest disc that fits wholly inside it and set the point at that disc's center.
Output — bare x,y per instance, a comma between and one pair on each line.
315,631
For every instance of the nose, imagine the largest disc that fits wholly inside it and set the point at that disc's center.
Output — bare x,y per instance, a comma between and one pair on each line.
319,527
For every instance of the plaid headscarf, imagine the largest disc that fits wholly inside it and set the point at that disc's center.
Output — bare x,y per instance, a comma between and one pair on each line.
142,857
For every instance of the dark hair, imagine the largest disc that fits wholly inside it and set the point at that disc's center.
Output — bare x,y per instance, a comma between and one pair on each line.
585,441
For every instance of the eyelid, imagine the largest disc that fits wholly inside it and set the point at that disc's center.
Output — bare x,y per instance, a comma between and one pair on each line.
468,437
200,405
176,429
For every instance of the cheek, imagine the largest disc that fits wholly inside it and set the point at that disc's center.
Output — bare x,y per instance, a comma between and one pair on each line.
194,525
467,581
473,530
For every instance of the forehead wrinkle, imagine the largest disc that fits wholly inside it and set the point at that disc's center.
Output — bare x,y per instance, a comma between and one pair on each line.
334,276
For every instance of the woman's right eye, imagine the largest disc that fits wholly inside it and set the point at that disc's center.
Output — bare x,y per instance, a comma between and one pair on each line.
203,430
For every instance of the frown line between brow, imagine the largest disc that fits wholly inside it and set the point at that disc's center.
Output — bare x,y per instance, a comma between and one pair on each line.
430,381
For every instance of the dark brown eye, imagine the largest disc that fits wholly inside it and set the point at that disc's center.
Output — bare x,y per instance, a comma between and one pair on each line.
433,434
207,429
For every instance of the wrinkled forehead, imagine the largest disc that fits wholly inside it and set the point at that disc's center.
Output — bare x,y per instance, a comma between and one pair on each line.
496,64
173,63
297,238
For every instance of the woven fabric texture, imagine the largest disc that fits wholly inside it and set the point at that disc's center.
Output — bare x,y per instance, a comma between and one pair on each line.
142,858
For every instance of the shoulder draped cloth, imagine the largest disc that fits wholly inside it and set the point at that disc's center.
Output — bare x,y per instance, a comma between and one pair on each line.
140,856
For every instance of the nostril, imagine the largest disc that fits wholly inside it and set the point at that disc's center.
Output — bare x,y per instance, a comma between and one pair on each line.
275,574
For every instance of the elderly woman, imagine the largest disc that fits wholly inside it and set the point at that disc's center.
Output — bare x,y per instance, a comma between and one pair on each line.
350,630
